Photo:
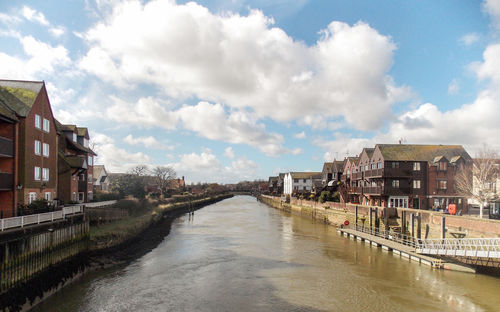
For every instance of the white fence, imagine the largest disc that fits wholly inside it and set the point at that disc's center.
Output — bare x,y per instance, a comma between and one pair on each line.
465,247
22,221
100,204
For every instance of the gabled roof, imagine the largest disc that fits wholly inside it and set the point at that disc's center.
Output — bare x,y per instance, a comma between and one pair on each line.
79,147
74,161
7,113
416,152
306,175
273,179
328,166
84,132
19,96
98,169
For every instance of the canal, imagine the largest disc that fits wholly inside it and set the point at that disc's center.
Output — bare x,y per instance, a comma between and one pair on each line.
240,255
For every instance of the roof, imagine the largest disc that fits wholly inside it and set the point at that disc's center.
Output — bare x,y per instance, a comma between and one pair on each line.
6,112
281,176
417,152
19,96
328,166
79,147
273,179
84,132
306,175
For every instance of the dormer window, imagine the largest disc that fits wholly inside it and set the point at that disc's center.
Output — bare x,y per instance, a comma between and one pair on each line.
442,166
85,142
74,137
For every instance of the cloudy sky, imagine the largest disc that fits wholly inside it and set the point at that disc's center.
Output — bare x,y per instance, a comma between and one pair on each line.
232,90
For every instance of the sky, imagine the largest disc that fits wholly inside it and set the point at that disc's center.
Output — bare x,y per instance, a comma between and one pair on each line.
225,91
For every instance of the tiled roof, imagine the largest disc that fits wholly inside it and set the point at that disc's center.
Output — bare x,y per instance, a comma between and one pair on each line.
328,166
82,132
98,169
305,175
80,147
19,96
409,152
75,161
6,112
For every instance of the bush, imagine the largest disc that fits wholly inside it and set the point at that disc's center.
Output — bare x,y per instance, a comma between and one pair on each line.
106,196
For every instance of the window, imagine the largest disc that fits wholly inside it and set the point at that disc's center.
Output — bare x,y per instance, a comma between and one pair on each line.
37,147
374,166
74,196
31,197
366,168
416,184
45,174
47,196
395,183
37,173
90,177
442,184
90,161
46,125
360,168
38,123
45,150
395,164
442,166
304,180
85,142
74,137
81,177
295,180
379,165
416,166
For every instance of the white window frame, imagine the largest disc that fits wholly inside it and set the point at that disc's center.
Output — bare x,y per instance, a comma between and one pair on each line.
48,196
416,184
38,121
46,125
395,183
45,150
445,182
90,161
74,137
37,173
38,147
45,174
85,142
416,166
31,197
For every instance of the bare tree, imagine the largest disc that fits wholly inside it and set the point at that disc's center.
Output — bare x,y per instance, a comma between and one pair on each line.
478,182
139,170
163,175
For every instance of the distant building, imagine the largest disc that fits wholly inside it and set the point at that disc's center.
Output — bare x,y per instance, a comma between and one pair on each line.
101,179
300,182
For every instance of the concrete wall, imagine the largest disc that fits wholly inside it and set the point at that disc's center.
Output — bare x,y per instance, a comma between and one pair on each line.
337,213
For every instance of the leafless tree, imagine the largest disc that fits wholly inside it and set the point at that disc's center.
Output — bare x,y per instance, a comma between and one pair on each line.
163,176
478,182
139,170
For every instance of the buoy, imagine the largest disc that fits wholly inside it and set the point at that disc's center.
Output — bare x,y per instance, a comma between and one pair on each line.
346,222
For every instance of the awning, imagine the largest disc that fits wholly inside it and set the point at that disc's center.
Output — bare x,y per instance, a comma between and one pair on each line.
331,183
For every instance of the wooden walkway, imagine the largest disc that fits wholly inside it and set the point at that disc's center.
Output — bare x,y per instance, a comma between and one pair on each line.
403,251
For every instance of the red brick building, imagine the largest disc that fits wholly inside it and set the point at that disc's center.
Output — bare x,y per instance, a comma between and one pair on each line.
75,164
409,176
30,164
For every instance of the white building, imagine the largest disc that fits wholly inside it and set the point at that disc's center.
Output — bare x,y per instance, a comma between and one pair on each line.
101,179
299,182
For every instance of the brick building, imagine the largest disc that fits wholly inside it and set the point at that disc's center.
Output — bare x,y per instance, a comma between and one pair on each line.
29,140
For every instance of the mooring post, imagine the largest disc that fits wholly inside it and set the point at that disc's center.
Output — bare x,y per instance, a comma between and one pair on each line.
371,221
443,227
412,224
403,222
419,226
356,216
377,220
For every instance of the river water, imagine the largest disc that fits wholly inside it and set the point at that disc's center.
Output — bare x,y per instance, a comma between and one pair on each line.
240,255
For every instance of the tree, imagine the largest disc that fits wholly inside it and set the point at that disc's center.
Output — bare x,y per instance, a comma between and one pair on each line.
163,176
478,181
130,184
139,170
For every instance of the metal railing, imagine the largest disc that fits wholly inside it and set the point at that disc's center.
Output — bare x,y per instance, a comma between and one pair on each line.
460,247
14,222
389,235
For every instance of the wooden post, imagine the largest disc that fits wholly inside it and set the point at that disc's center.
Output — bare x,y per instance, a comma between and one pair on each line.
419,226
403,222
443,227
412,224
356,216
371,221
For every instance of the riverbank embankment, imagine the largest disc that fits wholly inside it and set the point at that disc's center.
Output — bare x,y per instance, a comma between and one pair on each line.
105,244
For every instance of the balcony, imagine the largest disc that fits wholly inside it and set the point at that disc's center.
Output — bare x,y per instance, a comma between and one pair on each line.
397,173
6,181
6,147
374,190
374,173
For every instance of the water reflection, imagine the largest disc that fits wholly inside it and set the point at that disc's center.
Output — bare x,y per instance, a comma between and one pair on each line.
241,255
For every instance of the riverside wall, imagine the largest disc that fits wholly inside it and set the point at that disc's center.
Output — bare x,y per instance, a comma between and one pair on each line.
336,214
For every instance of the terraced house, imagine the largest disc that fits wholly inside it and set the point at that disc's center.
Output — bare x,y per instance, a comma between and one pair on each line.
75,165
28,144
409,176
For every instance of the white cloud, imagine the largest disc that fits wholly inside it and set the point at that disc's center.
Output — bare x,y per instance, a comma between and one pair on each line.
300,135
469,39
34,16
453,87
148,141
206,167
42,58
228,152
492,7
57,31
115,159
245,62
9,19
